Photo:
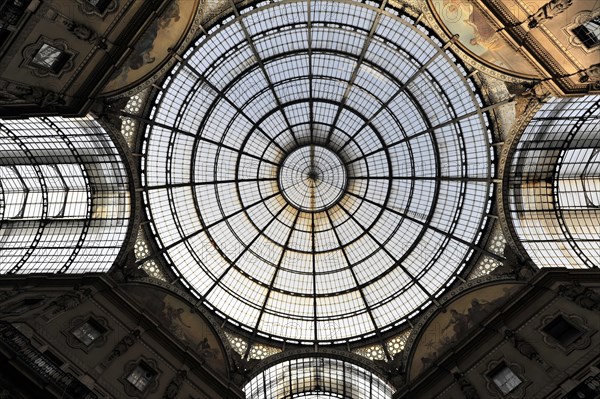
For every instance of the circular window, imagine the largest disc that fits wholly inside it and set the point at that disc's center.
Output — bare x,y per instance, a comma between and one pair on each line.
317,171
312,178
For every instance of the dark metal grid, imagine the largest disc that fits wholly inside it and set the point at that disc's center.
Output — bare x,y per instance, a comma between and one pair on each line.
65,196
554,184
311,268
317,378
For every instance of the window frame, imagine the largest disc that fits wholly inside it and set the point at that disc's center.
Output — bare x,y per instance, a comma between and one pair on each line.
77,322
130,388
582,30
519,391
583,341
39,69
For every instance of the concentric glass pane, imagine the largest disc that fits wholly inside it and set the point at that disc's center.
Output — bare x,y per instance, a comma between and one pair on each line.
317,171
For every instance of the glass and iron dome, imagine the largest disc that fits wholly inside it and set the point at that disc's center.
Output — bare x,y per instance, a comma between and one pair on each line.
317,171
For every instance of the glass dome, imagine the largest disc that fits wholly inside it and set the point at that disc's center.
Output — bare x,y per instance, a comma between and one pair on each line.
317,171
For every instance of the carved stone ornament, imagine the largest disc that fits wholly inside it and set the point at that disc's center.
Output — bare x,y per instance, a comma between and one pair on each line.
6,295
524,347
591,75
175,385
465,386
68,301
82,32
548,11
88,7
585,297
14,93
124,344
30,51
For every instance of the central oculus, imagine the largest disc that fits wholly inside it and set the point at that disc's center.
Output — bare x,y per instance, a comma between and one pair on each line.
312,178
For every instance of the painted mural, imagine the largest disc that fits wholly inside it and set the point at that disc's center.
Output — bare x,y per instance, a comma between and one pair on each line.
479,36
176,317
153,46
460,316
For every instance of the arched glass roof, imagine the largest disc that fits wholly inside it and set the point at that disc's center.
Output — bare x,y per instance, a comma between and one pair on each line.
317,171
315,377
553,184
64,196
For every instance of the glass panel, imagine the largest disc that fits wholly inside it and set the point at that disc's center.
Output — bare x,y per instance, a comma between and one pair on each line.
505,379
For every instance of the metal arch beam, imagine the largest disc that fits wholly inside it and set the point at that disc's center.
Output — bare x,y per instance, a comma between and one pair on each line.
44,217
174,129
233,263
438,126
270,289
436,229
400,90
221,94
357,283
359,62
166,248
206,183
250,41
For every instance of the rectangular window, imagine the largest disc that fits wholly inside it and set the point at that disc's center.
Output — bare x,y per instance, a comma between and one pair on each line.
50,58
562,331
589,32
505,379
89,331
141,376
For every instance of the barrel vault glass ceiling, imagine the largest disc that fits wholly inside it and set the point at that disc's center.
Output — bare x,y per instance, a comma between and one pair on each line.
317,171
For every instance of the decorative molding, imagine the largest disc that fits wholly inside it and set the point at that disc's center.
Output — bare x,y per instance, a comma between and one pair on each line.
123,345
465,386
584,297
175,385
69,300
